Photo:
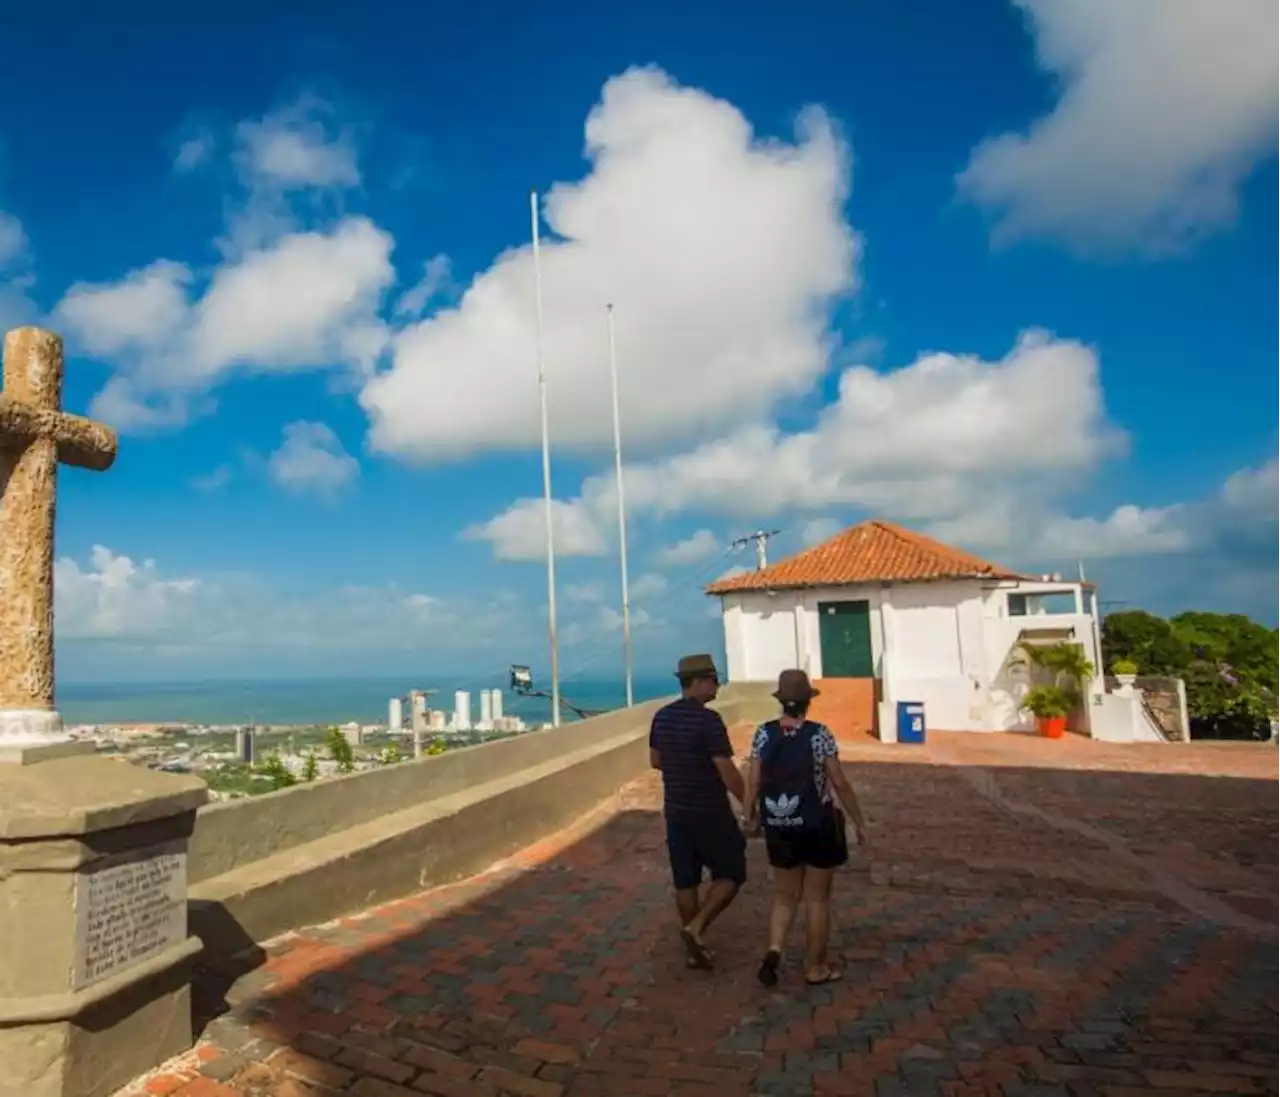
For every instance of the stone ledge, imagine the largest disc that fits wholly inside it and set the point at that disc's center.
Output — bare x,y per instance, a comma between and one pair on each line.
82,794
438,842
28,754
67,1006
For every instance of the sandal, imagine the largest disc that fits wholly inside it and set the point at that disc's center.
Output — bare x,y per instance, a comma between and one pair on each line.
768,973
699,955
833,975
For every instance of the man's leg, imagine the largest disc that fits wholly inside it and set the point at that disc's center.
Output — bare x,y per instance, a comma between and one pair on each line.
719,895
687,905
686,868
724,851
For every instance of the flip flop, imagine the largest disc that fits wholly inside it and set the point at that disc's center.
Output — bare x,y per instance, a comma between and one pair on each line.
768,973
833,975
699,955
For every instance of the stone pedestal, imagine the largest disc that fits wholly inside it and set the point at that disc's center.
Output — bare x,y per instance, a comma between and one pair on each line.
95,956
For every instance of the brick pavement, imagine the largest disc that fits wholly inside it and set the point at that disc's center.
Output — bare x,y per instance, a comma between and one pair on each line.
1035,919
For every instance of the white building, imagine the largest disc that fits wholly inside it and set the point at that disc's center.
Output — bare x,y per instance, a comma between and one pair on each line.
462,710
918,620
395,714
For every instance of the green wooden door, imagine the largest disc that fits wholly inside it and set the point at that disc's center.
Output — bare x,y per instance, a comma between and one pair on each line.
845,632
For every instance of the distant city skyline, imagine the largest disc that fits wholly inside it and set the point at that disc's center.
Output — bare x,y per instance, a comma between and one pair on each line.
954,266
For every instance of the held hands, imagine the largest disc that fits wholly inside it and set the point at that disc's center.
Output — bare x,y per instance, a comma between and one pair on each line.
856,833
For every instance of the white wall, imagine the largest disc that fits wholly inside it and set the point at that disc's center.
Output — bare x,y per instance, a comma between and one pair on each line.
935,652
944,644
1119,719
1001,634
764,635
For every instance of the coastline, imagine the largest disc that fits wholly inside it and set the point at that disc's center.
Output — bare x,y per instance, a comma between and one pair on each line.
302,703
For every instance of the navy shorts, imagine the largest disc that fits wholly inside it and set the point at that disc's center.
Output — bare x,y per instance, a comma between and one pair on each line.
825,847
713,843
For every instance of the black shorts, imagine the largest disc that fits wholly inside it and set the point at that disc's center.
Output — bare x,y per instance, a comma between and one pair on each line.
826,847
714,843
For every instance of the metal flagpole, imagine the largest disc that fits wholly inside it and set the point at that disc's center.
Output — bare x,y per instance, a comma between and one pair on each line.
546,468
622,507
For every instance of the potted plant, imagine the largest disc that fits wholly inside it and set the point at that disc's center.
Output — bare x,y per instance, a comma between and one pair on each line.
1050,705
1070,669
1126,672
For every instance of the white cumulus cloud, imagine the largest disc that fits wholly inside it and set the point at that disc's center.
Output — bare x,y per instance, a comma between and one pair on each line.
194,152
817,530
308,300
1164,107
13,239
16,307
301,145
114,596
520,532
700,545
311,460
722,250
937,440
300,283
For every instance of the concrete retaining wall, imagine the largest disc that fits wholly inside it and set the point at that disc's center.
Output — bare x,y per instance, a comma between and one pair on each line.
234,833
262,866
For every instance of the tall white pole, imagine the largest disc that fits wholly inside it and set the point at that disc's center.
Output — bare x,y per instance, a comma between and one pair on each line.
546,467
622,507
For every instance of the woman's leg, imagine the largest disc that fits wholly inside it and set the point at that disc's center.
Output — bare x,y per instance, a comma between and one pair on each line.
817,913
788,888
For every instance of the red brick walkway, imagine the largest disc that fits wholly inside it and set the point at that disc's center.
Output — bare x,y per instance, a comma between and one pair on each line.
1034,920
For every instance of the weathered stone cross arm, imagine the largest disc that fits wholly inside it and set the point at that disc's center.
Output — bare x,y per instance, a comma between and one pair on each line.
79,441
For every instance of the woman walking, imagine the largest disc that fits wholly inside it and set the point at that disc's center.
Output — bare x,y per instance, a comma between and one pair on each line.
793,783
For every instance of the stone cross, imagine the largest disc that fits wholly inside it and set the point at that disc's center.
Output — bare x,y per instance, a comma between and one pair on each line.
35,435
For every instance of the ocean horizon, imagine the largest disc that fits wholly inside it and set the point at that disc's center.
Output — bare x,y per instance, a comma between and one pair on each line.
322,701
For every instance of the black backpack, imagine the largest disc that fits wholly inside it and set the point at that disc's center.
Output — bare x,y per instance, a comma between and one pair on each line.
789,799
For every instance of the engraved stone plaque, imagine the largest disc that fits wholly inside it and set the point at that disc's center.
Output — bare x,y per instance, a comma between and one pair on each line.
129,908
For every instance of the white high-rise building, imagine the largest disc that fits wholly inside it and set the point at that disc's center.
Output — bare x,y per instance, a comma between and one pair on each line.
395,714
462,711
495,706
486,710
418,710
437,721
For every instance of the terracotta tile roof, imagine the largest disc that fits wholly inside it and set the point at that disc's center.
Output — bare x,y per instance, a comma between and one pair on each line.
871,552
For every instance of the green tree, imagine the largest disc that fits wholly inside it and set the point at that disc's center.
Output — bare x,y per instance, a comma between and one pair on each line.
340,751
1228,663
1147,640
312,767
436,746
391,755
276,772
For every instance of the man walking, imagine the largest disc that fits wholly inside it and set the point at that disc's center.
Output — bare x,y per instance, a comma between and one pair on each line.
689,743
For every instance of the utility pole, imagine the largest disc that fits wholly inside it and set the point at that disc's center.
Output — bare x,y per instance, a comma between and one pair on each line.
622,509
761,539
546,469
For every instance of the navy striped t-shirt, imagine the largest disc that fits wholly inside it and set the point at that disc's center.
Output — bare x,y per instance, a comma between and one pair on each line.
689,736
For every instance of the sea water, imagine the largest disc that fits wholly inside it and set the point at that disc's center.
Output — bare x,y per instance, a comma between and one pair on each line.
324,701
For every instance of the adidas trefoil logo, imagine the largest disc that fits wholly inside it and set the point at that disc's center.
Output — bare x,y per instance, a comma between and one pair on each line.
782,811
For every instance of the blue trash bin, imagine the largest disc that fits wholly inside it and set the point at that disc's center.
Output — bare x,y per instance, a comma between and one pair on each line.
911,727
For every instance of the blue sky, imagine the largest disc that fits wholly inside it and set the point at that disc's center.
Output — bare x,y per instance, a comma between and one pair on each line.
1004,272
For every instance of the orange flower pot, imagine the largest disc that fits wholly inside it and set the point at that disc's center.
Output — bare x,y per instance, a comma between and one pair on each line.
1052,727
